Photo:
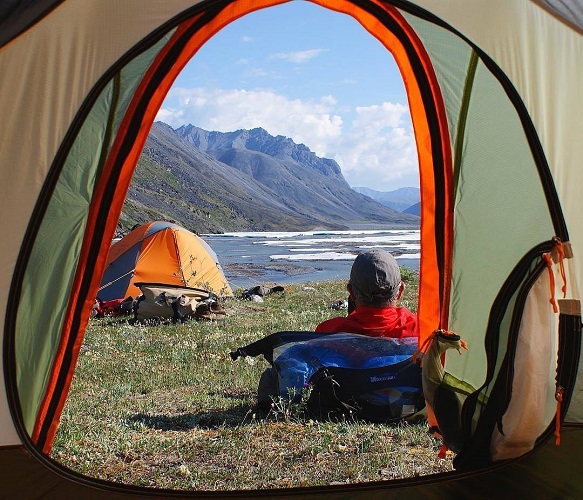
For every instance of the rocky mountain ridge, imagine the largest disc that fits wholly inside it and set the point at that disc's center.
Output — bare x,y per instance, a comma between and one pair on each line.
245,180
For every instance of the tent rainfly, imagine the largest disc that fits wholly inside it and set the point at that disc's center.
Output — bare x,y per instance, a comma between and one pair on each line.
163,253
494,89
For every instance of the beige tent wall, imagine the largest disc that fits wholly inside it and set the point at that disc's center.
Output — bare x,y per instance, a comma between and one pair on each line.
541,56
71,49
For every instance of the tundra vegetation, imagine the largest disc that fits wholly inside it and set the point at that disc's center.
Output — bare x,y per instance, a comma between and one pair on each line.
164,406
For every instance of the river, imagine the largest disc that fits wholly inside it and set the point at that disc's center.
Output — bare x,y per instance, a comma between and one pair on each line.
249,259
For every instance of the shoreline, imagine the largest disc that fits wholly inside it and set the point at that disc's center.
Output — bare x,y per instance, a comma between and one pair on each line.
249,274
250,259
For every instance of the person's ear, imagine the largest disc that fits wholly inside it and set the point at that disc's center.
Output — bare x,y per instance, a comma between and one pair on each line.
401,290
349,288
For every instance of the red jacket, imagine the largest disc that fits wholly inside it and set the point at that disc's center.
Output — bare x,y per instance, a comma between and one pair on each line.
395,322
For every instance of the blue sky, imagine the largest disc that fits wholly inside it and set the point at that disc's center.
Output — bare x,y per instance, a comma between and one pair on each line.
311,74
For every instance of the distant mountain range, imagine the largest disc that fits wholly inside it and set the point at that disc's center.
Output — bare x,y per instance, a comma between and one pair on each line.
406,199
248,180
414,210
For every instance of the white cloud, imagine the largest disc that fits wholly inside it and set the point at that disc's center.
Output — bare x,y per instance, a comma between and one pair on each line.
298,57
246,38
374,145
328,99
379,149
377,117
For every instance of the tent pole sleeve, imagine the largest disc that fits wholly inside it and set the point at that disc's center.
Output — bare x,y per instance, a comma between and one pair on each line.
463,117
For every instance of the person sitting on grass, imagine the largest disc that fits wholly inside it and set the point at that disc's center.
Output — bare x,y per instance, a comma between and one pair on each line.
375,286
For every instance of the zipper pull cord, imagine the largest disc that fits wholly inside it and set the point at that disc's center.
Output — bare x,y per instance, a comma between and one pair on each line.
561,252
423,347
549,261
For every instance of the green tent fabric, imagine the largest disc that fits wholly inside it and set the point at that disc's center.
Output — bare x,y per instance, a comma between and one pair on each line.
494,91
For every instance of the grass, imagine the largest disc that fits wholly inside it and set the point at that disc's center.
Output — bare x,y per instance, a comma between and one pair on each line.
164,406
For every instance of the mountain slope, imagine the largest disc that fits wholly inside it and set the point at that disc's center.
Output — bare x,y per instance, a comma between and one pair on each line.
291,169
279,147
399,199
414,209
243,181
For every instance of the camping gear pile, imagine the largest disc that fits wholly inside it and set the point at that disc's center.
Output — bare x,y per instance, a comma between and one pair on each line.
158,302
112,308
256,293
494,92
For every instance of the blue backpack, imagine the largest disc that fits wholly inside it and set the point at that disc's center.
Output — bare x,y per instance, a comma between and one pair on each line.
372,378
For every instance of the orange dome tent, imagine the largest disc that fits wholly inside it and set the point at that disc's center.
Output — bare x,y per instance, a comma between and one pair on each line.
163,253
